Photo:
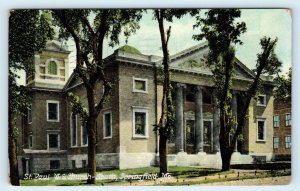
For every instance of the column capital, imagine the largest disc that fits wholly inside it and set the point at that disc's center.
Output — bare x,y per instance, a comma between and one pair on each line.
199,88
234,92
180,85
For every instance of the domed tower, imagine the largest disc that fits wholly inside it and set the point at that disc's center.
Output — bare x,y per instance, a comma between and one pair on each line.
51,67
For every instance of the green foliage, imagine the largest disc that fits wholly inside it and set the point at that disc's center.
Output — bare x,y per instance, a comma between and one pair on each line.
28,32
271,64
284,85
220,29
222,32
170,14
78,107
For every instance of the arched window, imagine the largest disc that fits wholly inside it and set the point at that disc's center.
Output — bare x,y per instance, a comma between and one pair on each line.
52,68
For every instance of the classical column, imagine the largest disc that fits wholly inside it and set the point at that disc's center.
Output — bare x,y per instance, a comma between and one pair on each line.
199,119
216,124
179,117
234,113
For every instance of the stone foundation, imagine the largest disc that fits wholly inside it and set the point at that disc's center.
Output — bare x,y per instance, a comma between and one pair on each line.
41,163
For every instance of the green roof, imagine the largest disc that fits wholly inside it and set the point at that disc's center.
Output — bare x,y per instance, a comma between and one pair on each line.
130,49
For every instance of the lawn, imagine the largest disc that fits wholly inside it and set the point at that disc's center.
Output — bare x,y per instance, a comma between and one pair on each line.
177,172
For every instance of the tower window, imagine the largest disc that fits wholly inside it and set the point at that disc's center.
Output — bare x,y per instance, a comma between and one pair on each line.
52,68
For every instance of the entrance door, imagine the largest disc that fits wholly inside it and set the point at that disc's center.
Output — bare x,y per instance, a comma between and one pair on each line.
207,135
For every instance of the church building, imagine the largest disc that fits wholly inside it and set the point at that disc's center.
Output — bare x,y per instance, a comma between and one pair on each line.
53,138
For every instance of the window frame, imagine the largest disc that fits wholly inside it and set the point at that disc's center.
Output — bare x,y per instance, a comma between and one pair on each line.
274,142
140,110
290,120
211,131
104,125
265,127
57,160
58,140
29,114
30,141
84,164
274,121
47,65
71,130
84,145
285,142
265,100
140,79
55,102
194,131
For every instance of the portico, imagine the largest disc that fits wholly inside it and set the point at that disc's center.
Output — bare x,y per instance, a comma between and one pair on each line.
196,119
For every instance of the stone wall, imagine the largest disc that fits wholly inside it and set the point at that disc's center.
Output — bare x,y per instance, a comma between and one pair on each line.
265,112
128,100
39,126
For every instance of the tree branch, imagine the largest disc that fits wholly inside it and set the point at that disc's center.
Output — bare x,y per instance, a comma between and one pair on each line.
61,14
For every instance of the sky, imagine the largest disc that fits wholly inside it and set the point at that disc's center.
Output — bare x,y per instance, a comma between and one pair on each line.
259,22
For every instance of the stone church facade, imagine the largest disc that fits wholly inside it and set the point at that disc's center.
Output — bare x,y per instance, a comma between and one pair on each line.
52,137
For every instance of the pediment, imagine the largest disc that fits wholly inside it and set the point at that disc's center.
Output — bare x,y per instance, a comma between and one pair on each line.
194,59
55,45
73,81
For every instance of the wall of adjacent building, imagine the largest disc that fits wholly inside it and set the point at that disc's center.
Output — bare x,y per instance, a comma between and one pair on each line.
281,108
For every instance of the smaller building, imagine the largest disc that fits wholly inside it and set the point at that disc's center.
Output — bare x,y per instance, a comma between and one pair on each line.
282,123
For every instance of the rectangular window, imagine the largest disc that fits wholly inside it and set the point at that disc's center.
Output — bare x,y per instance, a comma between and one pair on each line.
84,135
107,124
30,141
29,114
140,122
54,164
84,164
261,129
276,121
190,131
53,111
207,134
275,142
288,142
73,163
140,85
261,100
53,141
73,130
288,119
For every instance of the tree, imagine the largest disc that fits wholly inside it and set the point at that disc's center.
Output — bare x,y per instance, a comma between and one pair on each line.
283,85
166,122
25,36
88,28
222,33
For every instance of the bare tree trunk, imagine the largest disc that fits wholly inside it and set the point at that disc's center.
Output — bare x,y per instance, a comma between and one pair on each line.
226,158
167,106
91,125
12,152
163,153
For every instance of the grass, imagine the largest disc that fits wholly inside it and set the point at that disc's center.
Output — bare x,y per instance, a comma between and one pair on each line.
177,172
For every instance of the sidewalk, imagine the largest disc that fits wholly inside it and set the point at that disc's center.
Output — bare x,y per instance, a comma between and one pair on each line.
222,178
